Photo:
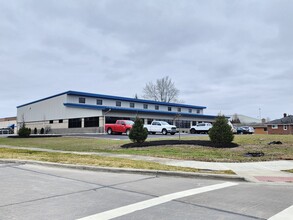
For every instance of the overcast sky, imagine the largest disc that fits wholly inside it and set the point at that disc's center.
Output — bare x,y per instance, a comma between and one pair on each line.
230,56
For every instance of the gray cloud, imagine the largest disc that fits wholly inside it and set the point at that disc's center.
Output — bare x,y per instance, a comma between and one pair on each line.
233,57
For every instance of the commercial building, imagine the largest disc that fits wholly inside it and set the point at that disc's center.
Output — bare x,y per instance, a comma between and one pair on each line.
80,112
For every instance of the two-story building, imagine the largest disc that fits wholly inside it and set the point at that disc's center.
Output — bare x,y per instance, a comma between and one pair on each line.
80,112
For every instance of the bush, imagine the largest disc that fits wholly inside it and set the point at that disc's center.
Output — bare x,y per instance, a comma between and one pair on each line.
24,131
138,134
35,131
221,133
42,131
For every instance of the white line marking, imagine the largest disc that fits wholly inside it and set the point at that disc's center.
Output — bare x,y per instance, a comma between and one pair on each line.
124,210
286,214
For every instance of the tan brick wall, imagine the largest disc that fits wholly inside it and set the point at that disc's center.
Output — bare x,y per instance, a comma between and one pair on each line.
260,130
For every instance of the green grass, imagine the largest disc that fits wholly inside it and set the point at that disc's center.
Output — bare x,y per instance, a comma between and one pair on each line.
289,171
67,158
247,143
66,143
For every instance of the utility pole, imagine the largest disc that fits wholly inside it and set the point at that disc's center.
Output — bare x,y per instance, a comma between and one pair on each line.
259,111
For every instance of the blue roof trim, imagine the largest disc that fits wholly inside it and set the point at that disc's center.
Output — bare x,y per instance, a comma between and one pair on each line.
118,98
106,108
41,99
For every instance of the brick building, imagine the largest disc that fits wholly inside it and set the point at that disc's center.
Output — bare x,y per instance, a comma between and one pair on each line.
281,126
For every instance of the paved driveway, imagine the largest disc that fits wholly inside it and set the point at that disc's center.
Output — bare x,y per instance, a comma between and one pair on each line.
39,192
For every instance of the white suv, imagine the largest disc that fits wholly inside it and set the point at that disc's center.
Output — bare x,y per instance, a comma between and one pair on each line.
201,128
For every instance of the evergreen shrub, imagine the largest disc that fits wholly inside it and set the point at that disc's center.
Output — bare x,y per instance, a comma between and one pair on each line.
138,134
221,133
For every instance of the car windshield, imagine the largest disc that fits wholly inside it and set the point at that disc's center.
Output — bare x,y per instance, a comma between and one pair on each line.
129,122
164,123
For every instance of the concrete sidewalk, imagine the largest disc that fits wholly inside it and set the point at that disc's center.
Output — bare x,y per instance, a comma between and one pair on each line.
267,171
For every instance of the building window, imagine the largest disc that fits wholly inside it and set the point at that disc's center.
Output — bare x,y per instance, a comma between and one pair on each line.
157,107
61,121
198,111
74,123
169,109
178,109
145,106
284,127
91,122
182,124
118,103
99,102
190,110
274,126
81,100
131,104
51,121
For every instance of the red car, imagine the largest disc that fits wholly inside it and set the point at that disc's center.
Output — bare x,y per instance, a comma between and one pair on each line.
121,126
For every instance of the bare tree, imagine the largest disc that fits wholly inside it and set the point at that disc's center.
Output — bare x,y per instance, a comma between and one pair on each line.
163,90
235,119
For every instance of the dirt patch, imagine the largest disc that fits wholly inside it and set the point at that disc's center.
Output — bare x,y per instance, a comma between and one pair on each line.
178,142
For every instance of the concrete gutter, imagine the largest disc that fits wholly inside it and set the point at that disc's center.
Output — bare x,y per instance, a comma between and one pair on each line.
156,173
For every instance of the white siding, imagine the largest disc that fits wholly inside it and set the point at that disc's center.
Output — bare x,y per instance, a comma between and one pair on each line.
53,109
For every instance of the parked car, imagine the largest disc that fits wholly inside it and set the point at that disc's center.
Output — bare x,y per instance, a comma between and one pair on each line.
160,127
245,130
200,128
121,126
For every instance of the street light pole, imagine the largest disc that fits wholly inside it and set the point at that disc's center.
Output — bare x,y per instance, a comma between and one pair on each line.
178,116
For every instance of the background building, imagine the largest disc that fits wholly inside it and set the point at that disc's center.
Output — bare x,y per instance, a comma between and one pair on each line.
7,125
281,126
80,112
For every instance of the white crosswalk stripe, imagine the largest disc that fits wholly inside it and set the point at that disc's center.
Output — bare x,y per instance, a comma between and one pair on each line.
286,214
114,213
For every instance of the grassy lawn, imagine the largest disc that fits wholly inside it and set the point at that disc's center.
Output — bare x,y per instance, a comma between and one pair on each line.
67,158
247,143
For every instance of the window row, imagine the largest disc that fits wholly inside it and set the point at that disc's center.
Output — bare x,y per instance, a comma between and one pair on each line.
82,100
52,121
276,127
88,122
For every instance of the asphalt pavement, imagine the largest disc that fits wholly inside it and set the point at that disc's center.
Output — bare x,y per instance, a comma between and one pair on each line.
30,192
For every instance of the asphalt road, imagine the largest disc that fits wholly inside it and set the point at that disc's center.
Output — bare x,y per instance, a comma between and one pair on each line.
39,192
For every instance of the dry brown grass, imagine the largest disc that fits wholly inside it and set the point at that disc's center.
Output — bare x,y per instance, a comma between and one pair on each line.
67,158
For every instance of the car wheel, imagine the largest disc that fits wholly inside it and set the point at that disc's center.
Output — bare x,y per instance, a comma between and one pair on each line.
153,132
164,132
127,132
109,131
172,133
192,131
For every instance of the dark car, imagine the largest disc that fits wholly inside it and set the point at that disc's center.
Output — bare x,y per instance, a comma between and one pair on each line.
245,130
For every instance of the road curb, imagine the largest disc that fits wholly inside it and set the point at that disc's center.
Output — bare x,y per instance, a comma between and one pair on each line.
131,171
